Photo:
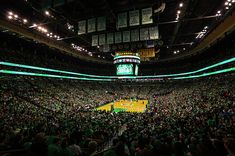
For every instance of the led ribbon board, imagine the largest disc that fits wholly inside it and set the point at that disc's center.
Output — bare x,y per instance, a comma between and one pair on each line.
114,77
11,72
92,79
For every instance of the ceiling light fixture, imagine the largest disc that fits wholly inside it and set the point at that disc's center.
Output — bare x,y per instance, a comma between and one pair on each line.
181,5
47,13
25,20
9,17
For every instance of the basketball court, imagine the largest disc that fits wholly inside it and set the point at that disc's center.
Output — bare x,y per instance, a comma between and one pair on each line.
138,106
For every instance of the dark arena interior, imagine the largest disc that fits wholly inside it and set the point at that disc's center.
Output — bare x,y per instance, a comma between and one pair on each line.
117,78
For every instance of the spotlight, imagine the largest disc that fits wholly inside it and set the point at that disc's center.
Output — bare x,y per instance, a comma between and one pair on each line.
25,20
218,12
16,16
181,5
40,28
227,8
226,3
9,17
47,13
178,12
10,13
48,34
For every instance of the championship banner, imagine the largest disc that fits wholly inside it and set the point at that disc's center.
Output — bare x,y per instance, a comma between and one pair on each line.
110,38
101,23
94,40
106,48
146,53
134,18
122,20
126,36
81,27
91,25
144,34
153,33
102,39
147,16
135,35
118,37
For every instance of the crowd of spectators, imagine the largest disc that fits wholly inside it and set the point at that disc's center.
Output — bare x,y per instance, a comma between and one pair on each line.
57,117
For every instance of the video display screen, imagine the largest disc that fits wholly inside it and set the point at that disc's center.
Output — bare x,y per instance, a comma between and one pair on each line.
125,69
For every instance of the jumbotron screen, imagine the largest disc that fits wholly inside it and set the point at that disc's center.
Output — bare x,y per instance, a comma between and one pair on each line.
125,69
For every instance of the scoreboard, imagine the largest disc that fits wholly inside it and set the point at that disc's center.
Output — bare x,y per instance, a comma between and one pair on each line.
127,65
124,69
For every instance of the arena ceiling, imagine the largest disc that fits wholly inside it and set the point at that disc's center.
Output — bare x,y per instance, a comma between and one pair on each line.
177,36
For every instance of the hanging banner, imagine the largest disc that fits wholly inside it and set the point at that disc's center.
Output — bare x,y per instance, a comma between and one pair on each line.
147,16
122,20
101,23
153,33
91,25
126,36
146,53
135,35
118,37
81,27
94,40
110,39
102,39
134,18
144,34
106,48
